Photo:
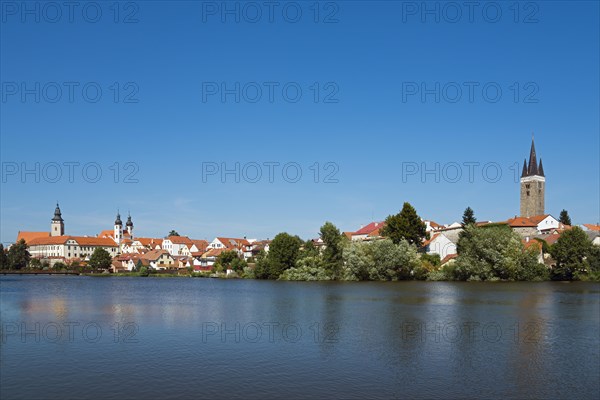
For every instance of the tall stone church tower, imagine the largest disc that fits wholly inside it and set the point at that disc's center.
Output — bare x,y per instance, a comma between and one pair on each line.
533,186
57,227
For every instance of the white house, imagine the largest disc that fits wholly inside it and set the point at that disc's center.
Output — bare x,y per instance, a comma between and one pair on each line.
440,244
178,245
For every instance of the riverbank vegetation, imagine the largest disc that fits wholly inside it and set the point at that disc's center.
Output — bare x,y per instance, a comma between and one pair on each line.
490,252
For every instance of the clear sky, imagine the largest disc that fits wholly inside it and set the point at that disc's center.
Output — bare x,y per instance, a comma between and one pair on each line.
170,93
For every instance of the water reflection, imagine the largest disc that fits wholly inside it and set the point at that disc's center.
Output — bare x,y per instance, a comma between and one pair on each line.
351,340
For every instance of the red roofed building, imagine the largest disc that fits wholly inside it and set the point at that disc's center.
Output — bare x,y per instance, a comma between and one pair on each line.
537,224
592,227
369,232
70,246
29,236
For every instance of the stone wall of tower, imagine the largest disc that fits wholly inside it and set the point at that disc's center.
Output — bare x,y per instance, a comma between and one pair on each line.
533,196
57,228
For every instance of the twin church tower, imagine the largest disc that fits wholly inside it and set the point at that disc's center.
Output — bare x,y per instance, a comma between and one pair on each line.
533,185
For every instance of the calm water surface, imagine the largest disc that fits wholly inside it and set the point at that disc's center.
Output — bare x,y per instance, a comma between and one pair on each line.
116,338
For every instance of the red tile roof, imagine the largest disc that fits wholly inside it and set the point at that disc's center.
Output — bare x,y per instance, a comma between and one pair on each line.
200,244
592,227
538,218
81,240
231,243
372,227
427,242
149,241
181,240
155,254
213,253
29,236
551,239
521,222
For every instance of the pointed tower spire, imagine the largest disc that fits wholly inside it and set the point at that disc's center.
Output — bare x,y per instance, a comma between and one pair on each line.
57,213
118,220
541,169
533,168
524,173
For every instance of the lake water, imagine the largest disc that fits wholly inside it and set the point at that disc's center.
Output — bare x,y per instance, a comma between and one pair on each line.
116,338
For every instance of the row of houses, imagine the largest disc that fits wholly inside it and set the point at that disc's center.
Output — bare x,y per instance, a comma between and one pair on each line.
443,239
167,253
182,252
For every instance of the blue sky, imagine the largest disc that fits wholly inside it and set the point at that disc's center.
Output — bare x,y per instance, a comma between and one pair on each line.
368,73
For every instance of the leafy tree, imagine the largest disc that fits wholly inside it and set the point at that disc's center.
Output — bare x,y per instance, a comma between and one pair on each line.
406,225
357,261
144,271
311,268
35,263
468,217
380,260
18,256
224,260
431,259
569,252
309,249
100,259
283,254
239,264
564,217
332,254
593,263
494,253
3,258
60,266
173,233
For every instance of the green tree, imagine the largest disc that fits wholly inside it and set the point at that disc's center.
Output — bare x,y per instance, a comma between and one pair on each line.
431,259
18,256
3,258
332,254
173,233
224,260
380,260
59,266
564,217
311,268
283,253
309,249
592,261
35,263
100,259
494,253
238,264
569,252
405,225
468,217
